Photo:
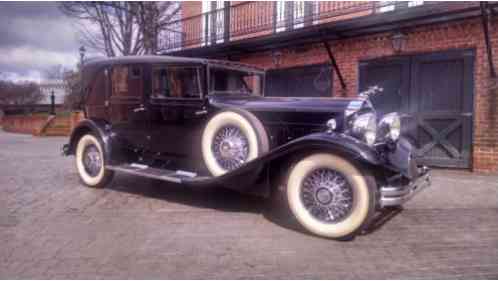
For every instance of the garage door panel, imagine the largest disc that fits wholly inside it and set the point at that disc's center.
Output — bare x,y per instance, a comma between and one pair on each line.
437,104
440,85
389,75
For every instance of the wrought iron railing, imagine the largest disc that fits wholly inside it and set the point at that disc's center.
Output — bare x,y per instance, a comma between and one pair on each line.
260,18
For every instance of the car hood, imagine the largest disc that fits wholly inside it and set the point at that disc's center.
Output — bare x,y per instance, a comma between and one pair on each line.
289,104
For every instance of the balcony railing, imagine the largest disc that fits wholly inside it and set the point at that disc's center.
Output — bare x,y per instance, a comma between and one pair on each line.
254,19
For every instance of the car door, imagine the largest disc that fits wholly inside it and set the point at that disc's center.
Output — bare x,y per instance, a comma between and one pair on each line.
127,111
177,112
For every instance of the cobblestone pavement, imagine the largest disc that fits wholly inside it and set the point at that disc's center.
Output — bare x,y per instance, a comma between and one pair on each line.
51,226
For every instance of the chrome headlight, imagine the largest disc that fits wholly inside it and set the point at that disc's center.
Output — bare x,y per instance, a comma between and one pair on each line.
365,127
390,127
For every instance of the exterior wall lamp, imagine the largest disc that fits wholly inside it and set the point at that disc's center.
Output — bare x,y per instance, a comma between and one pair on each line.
398,41
276,57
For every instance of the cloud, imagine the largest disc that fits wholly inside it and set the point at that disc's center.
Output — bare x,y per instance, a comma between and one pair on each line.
24,59
33,37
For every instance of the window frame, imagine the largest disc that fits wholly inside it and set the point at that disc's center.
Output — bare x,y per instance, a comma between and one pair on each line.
154,100
209,74
129,66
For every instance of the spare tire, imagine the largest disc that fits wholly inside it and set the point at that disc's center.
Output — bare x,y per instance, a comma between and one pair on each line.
232,138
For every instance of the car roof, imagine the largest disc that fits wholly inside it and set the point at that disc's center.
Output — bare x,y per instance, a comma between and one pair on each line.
95,64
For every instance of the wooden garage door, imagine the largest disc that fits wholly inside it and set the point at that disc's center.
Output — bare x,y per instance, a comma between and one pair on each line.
435,94
305,81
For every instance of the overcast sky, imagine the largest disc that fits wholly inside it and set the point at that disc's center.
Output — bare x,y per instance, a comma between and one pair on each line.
33,37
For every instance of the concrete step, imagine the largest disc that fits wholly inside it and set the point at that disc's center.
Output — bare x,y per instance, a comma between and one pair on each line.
54,134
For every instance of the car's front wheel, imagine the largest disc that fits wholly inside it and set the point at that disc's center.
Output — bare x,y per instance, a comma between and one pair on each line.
330,196
90,162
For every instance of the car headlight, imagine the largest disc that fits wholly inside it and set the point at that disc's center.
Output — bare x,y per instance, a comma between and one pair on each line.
390,127
365,127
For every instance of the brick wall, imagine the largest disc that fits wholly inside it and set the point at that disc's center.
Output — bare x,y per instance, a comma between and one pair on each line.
461,35
23,124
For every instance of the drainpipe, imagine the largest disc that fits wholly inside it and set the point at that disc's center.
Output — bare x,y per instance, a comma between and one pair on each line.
485,23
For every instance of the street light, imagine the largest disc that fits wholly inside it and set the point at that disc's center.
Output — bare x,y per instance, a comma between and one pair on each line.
82,54
52,103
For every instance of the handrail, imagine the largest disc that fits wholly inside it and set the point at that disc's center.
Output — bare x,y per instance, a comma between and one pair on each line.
259,18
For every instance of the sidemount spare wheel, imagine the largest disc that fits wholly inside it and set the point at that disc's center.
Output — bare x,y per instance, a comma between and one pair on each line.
90,162
329,196
232,138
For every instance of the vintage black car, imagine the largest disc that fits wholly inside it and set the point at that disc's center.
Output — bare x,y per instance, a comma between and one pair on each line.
201,122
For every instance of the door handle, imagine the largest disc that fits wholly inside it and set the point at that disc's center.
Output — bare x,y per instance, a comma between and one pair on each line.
201,112
139,109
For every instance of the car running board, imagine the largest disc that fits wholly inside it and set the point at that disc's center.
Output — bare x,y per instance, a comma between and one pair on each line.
141,170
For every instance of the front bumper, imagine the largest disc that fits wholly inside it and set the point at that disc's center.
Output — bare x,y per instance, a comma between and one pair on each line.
395,193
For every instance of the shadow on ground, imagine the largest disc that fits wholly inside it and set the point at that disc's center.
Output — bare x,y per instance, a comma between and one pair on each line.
226,200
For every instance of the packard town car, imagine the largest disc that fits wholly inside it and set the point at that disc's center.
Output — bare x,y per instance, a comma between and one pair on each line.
200,122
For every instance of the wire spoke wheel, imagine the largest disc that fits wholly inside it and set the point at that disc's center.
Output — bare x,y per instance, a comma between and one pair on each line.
327,195
230,147
92,161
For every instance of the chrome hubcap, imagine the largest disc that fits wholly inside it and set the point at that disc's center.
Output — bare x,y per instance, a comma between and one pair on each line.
327,195
230,148
92,160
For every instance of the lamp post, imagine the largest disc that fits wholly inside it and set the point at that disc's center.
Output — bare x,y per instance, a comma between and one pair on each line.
82,60
82,55
52,103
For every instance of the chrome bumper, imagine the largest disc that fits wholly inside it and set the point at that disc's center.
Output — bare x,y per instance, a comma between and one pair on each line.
397,195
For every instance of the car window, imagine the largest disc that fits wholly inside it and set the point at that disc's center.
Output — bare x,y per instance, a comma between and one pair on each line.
126,81
234,82
175,82
97,91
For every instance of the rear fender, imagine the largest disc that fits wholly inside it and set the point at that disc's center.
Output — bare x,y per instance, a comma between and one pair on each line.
96,127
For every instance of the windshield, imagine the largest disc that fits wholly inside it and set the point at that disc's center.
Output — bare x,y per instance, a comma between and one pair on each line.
225,81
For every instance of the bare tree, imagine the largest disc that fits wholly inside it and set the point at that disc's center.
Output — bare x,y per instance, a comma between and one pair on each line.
55,72
21,93
122,28
72,86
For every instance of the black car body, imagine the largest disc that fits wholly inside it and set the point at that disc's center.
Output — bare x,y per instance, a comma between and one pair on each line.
151,116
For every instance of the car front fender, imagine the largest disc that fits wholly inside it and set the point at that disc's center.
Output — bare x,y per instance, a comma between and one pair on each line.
334,142
329,142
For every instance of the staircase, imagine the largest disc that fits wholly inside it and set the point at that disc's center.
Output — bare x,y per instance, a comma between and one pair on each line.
58,126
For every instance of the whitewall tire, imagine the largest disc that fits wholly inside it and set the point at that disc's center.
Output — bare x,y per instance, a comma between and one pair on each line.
90,162
329,196
232,138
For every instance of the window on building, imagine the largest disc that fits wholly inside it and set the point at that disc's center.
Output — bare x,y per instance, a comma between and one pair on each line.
213,22
294,14
299,14
175,82
387,6
280,16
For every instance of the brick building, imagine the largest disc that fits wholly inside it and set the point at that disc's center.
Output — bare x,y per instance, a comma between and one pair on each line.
433,60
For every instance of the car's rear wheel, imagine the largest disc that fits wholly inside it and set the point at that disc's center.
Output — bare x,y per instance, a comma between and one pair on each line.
232,138
329,196
90,162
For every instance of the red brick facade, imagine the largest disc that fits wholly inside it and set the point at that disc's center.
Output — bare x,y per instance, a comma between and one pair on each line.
466,34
